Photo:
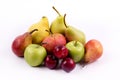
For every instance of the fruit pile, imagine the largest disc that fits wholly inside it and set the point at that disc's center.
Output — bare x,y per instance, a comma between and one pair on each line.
56,46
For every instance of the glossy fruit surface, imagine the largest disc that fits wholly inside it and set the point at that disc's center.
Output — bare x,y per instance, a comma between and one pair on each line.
57,25
51,62
68,64
21,42
60,51
53,40
42,26
35,54
71,33
76,50
94,50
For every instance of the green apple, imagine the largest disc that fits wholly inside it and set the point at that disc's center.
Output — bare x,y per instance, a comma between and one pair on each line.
34,54
76,50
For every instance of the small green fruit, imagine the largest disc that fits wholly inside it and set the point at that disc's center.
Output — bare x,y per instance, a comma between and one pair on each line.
34,54
76,50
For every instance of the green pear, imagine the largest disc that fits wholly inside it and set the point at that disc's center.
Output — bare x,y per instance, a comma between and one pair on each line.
58,26
71,34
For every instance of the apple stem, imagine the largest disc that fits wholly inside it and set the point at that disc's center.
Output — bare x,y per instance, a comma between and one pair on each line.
56,10
65,21
43,43
75,43
33,31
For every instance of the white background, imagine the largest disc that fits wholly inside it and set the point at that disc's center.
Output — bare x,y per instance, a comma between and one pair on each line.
99,19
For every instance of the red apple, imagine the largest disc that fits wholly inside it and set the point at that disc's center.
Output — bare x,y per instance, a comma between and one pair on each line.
53,40
94,50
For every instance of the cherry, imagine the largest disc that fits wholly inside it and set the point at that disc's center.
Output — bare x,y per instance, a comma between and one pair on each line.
51,62
68,64
60,51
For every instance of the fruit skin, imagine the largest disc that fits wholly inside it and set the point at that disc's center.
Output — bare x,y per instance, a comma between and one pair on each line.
72,33
53,40
51,62
42,26
68,64
76,50
21,42
57,25
94,50
60,51
35,54
44,22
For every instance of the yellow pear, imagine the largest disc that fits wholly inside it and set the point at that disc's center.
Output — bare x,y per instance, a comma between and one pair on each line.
57,25
43,22
43,30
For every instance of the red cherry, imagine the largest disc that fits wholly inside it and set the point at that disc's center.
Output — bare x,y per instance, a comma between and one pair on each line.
60,51
68,64
51,62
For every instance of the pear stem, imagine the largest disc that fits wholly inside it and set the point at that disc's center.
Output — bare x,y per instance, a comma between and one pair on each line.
83,64
49,31
56,10
51,34
33,31
65,21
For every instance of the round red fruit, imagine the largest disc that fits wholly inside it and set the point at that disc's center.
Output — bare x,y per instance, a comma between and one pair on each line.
68,64
60,51
51,61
